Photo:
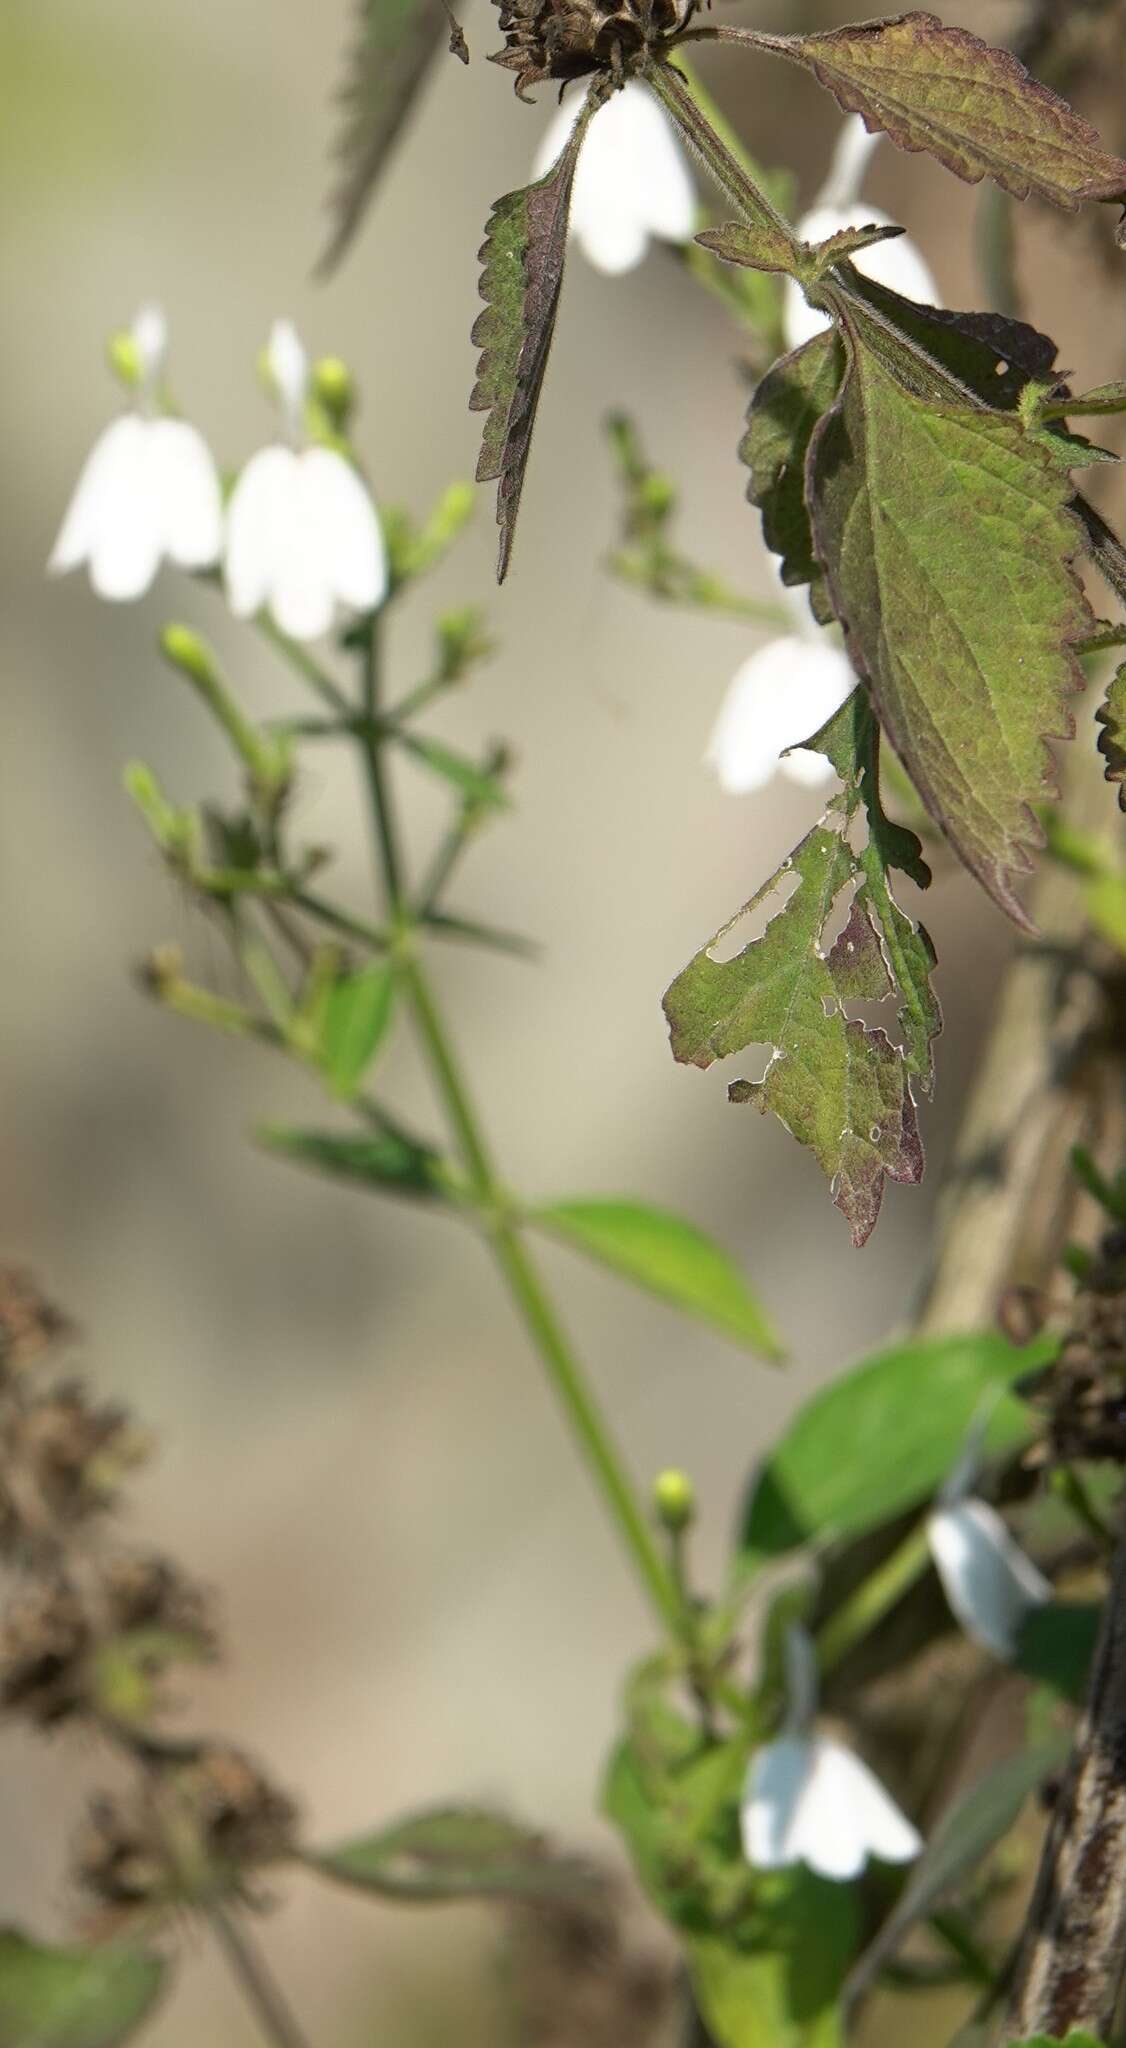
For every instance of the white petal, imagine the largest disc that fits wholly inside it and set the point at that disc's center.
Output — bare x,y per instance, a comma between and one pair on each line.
150,339
812,1801
896,264
289,367
186,490
83,514
991,1585
339,508
123,539
258,515
779,697
557,134
850,160
632,180
611,238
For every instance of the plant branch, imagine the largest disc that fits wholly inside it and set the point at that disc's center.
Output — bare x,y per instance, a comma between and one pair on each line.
249,1969
674,91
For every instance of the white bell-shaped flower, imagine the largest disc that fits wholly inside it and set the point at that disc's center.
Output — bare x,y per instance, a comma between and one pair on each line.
896,264
303,536
992,1587
782,694
632,181
149,491
808,1799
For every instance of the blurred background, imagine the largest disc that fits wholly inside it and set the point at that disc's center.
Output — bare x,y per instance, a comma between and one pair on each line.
354,1444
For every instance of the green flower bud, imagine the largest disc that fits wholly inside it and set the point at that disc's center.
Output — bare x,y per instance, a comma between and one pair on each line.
125,360
674,1498
335,390
186,651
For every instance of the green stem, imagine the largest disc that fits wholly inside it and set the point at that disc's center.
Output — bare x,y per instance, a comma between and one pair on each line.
672,88
873,1599
248,1968
516,1264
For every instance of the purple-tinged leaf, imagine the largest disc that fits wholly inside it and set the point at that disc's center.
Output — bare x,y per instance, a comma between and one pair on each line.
943,91
522,255
387,61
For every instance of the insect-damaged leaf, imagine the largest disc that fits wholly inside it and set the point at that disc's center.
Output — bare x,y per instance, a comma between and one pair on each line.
1112,739
838,1083
976,109
948,541
387,61
522,254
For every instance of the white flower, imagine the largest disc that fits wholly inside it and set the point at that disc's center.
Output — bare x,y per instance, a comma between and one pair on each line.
303,535
780,696
149,491
631,182
809,1800
992,1587
896,264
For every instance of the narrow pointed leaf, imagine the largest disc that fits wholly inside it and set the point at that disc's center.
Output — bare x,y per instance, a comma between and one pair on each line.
74,1997
385,1161
837,1082
786,409
357,1017
467,778
975,108
455,1853
1112,738
962,1838
522,255
393,43
758,246
884,1438
670,1258
949,547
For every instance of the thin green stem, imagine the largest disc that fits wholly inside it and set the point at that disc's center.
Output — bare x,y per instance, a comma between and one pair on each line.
380,803
674,91
249,1970
873,1599
300,659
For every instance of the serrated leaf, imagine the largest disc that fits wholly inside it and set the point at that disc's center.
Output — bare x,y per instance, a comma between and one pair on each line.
787,407
73,1997
882,1440
523,255
388,59
384,1160
455,1853
960,1840
943,91
357,1017
757,246
949,547
1112,739
670,1258
836,1082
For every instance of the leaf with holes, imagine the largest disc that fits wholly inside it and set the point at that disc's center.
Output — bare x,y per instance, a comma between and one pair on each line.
522,255
838,1083
942,90
949,545
386,64
1112,739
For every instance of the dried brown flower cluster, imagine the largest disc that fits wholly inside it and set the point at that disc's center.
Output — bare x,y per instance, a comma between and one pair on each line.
90,1631
567,39
1084,1393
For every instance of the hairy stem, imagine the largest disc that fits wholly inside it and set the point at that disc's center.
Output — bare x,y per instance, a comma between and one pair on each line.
676,95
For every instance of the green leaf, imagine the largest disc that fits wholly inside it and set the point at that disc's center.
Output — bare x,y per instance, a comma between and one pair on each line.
73,1997
786,408
1078,2038
1105,398
758,246
668,1256
386,1161
976,109
836,1082
1057,1646
523,253
784,1990
454,1853
949,545
389,57
1112,739
466,777
962,1838
356,1020
882,1440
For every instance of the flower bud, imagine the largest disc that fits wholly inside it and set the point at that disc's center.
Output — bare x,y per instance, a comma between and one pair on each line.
126,360
674,1499
334,389
44,1643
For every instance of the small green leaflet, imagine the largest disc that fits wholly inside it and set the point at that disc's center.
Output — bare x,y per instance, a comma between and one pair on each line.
976,109
74,1997
356,1019
965,1834
394,42
668,1256
883,1439
1112,739
387,1161
522,254
949,545
837,1083
453,1853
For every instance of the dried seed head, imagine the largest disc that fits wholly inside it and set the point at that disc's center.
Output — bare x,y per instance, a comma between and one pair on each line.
61,1460
45,1641
118,1856
244,1820
151,1593
29,1323
193,1831
569,38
